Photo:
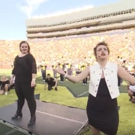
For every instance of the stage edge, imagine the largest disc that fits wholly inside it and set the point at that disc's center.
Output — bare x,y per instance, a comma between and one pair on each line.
17,128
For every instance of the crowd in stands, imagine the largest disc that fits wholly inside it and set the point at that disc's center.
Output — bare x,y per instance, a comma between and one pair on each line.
71,50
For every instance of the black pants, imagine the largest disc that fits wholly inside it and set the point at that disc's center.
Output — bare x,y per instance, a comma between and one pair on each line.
85,81
50,86
25,91
43,74
61,77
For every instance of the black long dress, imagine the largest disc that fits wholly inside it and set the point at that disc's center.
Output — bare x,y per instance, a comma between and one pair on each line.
102,111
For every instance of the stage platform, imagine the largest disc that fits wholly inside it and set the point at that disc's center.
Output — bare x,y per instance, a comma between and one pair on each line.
52,119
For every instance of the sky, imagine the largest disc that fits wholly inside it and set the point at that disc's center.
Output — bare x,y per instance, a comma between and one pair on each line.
14,13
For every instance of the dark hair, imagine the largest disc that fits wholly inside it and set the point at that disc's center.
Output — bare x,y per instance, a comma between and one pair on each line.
26,43
124,61
48,74
101,43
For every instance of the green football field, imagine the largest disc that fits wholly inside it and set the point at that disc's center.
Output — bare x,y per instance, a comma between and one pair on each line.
74,95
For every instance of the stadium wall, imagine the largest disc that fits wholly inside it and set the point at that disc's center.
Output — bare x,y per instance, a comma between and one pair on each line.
119,15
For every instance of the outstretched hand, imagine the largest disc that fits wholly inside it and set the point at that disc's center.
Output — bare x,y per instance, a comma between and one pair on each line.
59,71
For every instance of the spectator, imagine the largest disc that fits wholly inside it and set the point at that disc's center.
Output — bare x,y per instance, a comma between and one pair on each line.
52,82
4,83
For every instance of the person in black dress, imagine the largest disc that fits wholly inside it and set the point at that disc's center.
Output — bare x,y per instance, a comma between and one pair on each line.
102,109
25,71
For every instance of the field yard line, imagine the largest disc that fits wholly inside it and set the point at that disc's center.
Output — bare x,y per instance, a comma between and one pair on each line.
82,94
56,116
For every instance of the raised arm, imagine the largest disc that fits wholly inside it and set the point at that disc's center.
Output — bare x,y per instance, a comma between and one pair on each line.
77,78
125,75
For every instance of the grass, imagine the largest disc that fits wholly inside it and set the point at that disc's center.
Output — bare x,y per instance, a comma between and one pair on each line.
64,97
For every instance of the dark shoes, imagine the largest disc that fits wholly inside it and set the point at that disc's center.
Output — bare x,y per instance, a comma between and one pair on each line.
19,115
32,120
56,89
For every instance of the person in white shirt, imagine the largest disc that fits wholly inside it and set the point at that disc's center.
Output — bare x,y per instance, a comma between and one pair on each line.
102,107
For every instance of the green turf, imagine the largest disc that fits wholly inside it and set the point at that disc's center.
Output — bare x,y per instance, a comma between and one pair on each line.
4,130
64,97
9,99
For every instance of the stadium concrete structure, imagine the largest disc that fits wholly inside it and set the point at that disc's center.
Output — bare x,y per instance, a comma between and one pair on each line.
117,16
